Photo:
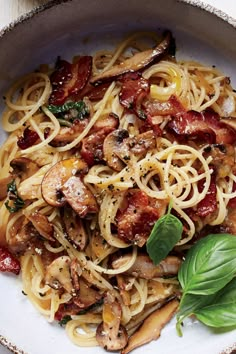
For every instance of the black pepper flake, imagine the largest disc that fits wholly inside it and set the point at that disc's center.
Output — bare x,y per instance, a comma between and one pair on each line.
126,157
111,187
41,294
23,293
122,179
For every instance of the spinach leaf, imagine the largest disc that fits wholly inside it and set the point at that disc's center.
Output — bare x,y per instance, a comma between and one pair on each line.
222,312
165,234
14,202
77,110
209,265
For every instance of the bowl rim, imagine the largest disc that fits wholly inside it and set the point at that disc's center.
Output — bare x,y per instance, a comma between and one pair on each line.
207,8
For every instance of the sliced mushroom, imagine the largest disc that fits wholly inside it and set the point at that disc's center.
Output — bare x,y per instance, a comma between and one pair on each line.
42,225
140,144
112,147
57,176
3,186
143,267
74,228
137,62
110,334
58,274
23,167
86,295
20,235
152,326
79,197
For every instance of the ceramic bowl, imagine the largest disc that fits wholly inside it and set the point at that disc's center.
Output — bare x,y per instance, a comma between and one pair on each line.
69,27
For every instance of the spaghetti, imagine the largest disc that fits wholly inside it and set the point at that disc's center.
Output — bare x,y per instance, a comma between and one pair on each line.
97,149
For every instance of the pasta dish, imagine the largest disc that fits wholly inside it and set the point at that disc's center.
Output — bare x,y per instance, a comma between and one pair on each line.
99,149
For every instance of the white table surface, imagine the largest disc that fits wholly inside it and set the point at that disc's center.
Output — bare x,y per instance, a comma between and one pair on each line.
11,9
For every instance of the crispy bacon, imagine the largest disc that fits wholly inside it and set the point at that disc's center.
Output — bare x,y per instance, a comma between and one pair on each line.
159,108
69,79
203,127
208,205
28,139
8,263
137,220
232,202
133,90
92,146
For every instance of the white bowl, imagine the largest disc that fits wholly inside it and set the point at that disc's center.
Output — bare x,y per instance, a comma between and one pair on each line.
67,27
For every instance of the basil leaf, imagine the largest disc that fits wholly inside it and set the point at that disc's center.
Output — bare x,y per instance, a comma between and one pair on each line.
189,304
222,313
14,202
65,320
80,109
209,265
166,232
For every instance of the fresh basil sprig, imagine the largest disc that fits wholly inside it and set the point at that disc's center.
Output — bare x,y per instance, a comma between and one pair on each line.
209,265
166,232
221,313
207,277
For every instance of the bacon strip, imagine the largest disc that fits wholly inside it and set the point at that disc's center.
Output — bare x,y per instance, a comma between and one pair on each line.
8,263
133,90
203,127
137,220
208,205
28,139
69,79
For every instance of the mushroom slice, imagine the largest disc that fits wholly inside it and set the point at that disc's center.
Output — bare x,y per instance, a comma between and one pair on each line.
79,197
57,176
112,147
58,274
86,295
110,334
143,266
152,326
42,225
137,62
74,228
143,142
24,167
4,185
20,235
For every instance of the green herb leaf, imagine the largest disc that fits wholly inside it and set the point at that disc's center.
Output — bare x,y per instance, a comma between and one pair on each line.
64,320
209,265
14,202
165,234
221,313
70,110
189,304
